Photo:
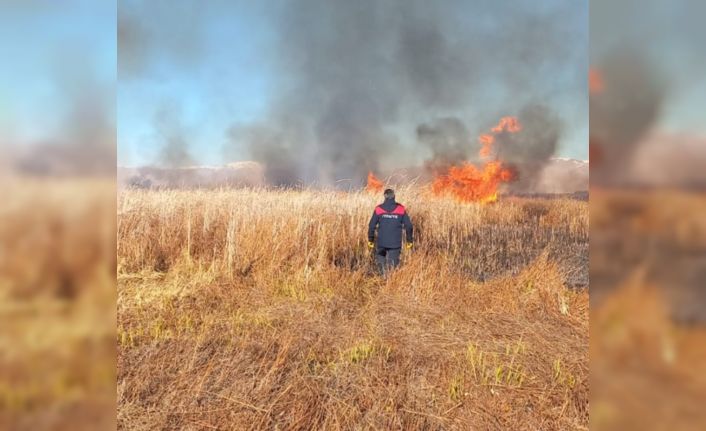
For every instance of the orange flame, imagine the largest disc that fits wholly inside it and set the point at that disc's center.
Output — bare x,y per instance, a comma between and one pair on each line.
507,124
486,142
374,184
595,81
469,183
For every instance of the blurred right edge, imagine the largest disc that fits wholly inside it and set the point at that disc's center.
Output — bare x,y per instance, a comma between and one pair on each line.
647,81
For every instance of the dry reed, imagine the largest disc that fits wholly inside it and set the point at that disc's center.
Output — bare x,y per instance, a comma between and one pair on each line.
260,309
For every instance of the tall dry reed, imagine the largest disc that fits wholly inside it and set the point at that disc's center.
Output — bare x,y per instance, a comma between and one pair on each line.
261,309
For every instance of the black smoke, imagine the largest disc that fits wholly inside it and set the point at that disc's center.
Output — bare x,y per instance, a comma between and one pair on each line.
622,114
449,141
353,73
172,137
373,85
154,39
529,150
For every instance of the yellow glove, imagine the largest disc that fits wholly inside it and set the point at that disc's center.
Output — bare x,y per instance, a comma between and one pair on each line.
409,246
371,245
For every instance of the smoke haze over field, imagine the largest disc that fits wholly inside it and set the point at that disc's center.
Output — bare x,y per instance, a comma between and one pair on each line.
174,152
531,149
149,32
651,75
448,139
354,69
370,85
57,88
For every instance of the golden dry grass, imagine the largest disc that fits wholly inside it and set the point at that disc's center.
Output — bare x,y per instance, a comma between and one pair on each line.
260,309
57,304
648,350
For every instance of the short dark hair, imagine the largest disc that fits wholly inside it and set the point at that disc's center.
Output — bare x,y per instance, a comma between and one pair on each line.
389,193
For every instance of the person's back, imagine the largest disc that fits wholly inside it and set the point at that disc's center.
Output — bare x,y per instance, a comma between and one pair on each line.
389,218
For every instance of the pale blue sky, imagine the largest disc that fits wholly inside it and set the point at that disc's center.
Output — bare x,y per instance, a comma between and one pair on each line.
51,53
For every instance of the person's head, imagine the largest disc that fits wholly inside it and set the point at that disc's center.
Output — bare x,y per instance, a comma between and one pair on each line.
389,194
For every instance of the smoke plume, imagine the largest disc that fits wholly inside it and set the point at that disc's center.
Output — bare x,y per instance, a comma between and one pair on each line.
158,31
174,150
650,71
622,113
449,141
370,85
530,150
85,143
353,74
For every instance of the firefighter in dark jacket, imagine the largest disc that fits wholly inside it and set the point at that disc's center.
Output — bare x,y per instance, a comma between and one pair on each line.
389,218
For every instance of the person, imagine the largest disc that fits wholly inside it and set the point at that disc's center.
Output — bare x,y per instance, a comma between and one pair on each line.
389,218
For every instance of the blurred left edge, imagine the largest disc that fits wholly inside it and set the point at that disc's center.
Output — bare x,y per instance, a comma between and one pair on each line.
57,215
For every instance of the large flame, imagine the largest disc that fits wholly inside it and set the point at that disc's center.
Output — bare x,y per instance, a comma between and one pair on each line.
374,184
470,183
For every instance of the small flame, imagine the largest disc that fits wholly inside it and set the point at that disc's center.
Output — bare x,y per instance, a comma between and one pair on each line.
469,183
486,142
374,184
507,124
595,81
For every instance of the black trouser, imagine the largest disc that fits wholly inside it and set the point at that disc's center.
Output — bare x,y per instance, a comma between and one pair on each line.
387,258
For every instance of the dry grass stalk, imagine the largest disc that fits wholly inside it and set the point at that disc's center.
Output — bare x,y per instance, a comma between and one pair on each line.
259,309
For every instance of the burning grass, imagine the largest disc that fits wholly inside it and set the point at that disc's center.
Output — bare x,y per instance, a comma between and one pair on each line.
375,185
259,309
468,183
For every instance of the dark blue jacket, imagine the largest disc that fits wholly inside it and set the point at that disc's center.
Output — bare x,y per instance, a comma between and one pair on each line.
389,218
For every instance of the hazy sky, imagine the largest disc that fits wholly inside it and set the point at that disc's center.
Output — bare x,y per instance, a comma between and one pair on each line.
670,37
208,65
211,67
53,53
226,79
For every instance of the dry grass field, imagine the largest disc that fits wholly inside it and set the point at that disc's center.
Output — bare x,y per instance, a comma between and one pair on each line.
648,309
247,309
57,304
260,309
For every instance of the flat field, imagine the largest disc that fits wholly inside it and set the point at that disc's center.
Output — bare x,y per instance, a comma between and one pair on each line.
261,309
648,309
57,304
